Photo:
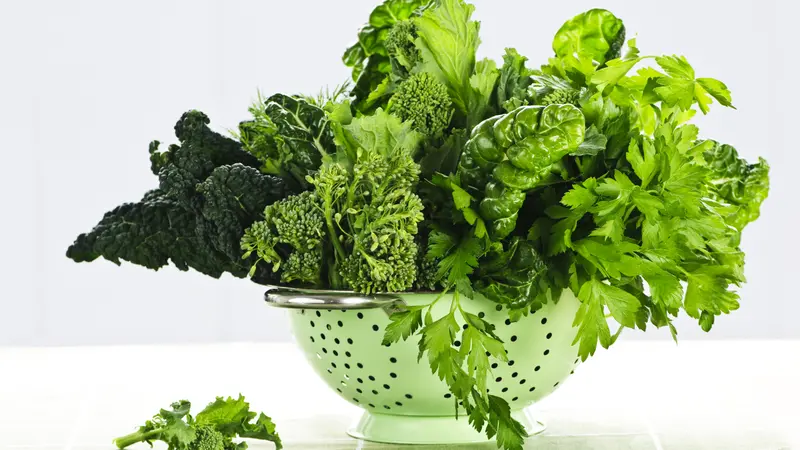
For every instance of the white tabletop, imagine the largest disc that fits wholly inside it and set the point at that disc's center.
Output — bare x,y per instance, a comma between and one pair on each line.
638,395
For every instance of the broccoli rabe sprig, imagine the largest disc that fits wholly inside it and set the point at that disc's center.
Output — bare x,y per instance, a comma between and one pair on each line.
290,238
424,101
357,229
214,428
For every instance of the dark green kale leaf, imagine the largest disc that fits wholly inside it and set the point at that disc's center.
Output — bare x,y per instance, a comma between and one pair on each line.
210,193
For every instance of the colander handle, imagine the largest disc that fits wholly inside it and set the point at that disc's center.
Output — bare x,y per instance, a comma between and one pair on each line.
282,297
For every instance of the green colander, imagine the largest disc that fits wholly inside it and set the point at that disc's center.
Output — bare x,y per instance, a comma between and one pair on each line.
404,403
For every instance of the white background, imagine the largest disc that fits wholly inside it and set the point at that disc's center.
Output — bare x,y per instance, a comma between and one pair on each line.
85,85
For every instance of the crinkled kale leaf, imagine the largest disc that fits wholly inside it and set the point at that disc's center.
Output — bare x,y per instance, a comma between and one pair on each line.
210,192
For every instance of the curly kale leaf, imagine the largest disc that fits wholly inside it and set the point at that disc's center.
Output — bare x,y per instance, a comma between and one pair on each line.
232,198
208,197
201,150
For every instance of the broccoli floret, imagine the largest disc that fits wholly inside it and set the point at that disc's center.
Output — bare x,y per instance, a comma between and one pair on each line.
561,97
290,238
207,438
383,250
400,44
424,101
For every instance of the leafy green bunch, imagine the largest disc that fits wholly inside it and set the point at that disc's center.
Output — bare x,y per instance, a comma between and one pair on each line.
213,428
357,228
441,171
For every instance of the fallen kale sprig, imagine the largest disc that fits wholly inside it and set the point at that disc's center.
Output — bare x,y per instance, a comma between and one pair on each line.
213,428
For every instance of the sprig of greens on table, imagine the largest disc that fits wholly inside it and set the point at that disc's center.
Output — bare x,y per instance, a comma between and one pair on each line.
438,171
213,428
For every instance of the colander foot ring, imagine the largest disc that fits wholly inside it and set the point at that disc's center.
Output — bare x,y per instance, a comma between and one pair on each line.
394,429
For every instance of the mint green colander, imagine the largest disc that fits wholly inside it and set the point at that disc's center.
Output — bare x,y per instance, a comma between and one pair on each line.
404,403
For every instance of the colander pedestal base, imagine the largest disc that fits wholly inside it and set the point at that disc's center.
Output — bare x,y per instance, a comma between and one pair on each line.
393,429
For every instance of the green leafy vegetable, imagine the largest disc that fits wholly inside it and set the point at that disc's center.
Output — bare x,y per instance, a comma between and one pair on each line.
214,428
596,33
206,199
425,102
439,171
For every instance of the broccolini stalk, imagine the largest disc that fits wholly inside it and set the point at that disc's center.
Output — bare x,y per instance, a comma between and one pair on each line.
214,428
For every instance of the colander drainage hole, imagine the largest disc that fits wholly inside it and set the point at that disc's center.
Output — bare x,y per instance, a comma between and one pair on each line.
340,323
335,353
508,321
464,327
359,365
393,375
312,323
515,399
356,400
513,339
346,366
549,335
333,365
387,387
312,339
511,363
546,352
494,365
319,314
481,315
360,380
375,392
347,354
371,405
544,320
375,328
522,381
359,390
505,389
514,375
324,350
448,395
349,341
322,335
329,327
498,379
360,315
340,391
536,369
408,396
532,389
555,385
371,378
336,340
346,376
393,360
457,343
498,308
386,406
398,403
330,371
344,384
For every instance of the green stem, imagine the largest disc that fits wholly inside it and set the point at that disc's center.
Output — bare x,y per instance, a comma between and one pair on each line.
135,438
